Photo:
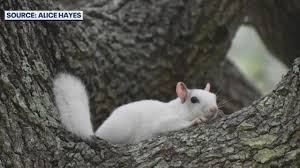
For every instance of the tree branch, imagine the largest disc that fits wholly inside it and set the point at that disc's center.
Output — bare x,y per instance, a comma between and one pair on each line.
264,134
278,24
125,52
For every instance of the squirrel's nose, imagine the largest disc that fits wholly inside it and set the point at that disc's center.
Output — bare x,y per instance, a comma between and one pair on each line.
213,109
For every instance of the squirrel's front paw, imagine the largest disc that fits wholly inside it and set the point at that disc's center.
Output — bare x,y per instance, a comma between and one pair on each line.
196,121
203,119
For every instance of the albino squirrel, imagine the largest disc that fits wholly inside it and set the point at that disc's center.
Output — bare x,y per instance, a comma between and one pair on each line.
133,122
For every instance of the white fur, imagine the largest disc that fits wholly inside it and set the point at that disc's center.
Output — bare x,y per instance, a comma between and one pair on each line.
141,120
132,122
72,102
145,119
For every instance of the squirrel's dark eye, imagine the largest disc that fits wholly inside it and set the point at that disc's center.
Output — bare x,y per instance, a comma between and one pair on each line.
194,99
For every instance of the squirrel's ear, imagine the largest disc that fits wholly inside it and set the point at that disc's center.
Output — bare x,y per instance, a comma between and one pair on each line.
207,87
181,91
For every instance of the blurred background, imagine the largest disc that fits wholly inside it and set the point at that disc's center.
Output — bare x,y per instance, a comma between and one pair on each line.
253,59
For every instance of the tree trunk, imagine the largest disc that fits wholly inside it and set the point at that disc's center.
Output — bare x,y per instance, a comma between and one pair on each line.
131,50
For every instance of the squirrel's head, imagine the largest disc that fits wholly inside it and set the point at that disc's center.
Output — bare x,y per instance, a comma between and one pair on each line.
198,102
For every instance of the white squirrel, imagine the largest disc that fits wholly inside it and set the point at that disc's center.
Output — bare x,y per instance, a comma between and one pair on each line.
133,122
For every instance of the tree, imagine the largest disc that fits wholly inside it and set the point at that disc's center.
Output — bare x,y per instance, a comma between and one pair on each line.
278,24
130,50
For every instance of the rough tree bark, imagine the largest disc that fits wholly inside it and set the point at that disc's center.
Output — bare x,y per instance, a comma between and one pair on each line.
127,51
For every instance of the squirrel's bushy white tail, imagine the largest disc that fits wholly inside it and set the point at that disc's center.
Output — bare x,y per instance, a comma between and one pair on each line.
73,104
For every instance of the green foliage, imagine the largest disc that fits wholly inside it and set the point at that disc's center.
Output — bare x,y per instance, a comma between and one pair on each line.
251,56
